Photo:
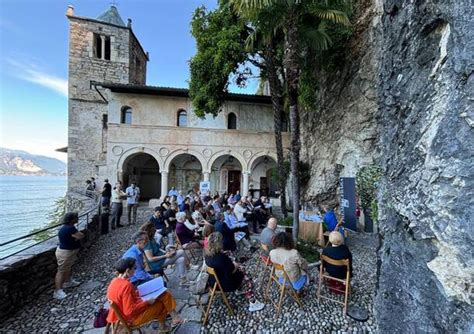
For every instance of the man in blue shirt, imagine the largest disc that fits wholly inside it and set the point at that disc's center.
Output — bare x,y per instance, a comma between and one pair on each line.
133,196
173,192
140,276
232,222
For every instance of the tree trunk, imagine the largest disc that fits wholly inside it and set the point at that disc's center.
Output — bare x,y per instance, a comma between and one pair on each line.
291,64
276,96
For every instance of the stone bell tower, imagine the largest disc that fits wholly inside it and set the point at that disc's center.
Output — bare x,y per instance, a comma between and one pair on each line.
103,49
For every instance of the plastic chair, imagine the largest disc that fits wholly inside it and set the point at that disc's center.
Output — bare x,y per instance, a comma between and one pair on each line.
284,287
346,282
216,289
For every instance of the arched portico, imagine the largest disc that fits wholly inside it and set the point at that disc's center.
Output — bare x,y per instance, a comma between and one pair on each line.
262,178
144,170
226,174
185,172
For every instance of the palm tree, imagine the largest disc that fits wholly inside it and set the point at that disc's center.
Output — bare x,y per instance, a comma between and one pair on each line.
292,17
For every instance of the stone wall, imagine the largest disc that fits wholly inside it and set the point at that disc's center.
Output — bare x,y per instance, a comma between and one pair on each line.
26,275
340,136
426,267
86,131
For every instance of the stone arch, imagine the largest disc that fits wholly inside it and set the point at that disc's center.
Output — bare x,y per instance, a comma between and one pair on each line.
219,154
135,150
257,155
179,151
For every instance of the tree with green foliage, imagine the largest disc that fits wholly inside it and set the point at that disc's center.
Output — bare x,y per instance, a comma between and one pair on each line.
303,25
223,46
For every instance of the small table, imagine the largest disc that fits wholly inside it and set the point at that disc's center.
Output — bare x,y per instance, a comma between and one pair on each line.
312,232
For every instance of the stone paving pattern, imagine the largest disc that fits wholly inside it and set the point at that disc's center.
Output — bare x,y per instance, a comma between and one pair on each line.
95,269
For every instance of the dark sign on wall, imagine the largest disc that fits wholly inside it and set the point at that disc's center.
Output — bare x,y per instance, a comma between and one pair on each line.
348,202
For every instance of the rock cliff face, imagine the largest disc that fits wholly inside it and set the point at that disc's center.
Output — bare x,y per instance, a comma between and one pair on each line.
427,151
405,102
340,137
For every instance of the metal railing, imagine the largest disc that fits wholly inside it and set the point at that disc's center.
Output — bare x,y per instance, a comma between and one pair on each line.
84,219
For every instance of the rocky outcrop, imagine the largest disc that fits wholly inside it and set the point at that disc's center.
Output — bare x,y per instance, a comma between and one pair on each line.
340,136
427,196
404,101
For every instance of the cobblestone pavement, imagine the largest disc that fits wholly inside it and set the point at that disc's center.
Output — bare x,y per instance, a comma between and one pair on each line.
95,269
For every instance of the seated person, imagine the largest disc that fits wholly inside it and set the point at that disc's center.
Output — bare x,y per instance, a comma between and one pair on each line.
230,274
330,219
187,232
285,254
140,239
206,232
136,311
227,233
158,259
162,227
337,251
233,223
165,204
268,233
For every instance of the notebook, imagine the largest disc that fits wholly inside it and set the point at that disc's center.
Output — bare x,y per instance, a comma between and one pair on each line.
239,236
151,289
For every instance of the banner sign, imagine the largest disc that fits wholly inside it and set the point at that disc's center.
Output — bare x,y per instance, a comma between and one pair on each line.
205,187
348,202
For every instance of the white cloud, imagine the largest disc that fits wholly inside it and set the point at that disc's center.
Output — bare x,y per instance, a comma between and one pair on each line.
31,73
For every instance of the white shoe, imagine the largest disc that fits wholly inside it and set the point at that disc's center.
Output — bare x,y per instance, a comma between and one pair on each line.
71,284
59,294
195,267
256,306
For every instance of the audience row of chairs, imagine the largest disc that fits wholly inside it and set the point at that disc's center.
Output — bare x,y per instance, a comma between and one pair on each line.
284,286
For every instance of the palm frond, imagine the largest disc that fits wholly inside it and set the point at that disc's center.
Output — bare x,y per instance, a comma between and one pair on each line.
332,15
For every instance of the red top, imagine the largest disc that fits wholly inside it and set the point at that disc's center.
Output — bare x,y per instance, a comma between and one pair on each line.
122,293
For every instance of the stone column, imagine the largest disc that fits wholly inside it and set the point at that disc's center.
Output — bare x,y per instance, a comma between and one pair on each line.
164,184
206,176
102,41
245,187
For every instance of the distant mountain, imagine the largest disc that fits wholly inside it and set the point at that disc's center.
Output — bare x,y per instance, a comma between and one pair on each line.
13,162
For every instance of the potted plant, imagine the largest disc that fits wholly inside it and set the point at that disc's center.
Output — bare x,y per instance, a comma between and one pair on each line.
286,224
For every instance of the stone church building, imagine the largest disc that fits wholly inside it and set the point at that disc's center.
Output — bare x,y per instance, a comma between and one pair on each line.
122,129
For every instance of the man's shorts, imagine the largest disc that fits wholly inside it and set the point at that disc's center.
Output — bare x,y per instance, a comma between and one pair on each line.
66,258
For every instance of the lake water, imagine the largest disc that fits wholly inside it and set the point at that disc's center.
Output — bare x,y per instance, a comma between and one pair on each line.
25,204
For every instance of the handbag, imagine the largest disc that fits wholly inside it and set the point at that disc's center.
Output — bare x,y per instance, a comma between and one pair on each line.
100,317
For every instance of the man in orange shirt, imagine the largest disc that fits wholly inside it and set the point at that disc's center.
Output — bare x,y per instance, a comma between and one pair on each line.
136,311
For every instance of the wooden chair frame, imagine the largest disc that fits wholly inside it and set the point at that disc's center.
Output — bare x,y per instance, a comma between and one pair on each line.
285,287
180,245
216,289
265,261
347,281
121,322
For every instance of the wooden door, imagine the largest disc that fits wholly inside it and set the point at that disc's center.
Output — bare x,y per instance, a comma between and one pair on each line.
233,181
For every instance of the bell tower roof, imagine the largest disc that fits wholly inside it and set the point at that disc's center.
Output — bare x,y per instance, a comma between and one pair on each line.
111,16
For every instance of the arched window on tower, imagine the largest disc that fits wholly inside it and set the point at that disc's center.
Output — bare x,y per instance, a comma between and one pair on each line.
232,121
126,116
182,118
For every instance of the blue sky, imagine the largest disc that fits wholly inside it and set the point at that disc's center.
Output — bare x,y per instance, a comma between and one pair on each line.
33,64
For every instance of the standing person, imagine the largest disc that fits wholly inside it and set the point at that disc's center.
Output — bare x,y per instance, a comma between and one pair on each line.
173,192
66,254
89,186
133,196
117,208
106,193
